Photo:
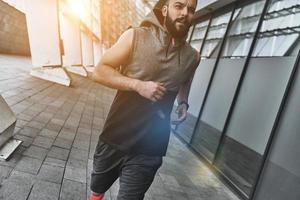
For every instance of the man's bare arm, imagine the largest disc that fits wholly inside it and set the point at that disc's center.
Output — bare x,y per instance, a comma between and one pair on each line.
182,96
106,73
184,91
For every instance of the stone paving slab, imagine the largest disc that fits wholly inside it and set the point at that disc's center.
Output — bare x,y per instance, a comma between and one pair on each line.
59,153
72,190
51,173
43,190
60,127
4,172
29,165
36,152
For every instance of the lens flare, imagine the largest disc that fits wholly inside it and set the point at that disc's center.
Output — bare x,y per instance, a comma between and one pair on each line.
78,8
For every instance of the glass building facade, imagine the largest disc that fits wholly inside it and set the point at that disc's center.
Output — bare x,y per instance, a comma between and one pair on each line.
244,99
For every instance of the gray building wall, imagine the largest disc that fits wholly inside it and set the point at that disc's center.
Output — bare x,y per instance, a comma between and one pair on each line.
13,31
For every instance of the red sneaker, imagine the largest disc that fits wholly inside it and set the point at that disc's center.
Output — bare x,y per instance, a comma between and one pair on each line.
95,196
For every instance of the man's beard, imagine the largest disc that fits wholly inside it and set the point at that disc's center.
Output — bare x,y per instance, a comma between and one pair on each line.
171,26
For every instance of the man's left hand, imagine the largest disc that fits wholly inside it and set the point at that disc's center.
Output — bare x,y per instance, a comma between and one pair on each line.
182,114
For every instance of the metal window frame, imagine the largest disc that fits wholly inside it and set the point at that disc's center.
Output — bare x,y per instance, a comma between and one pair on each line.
205,36
232,9
290,50
237,92
210,164
274,132
267,153
243,74
206,18
228,8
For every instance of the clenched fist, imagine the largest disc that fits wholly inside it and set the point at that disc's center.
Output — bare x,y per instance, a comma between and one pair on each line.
150,90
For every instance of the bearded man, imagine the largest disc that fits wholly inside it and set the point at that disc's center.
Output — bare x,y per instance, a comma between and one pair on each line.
158,66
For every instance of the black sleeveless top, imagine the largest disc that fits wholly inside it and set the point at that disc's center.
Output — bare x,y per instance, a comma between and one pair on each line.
138,126
135,124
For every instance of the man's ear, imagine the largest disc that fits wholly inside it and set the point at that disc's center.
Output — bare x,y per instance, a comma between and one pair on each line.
164,11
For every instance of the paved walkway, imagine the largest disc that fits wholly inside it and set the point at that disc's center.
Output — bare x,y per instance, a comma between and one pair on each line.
60,127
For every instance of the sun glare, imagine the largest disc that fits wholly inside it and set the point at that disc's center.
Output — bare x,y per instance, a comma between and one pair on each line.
77,7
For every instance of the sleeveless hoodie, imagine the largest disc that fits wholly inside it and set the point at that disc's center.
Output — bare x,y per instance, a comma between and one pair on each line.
135,124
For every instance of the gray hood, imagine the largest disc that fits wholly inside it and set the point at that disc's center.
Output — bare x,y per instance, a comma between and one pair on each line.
154,20
157,56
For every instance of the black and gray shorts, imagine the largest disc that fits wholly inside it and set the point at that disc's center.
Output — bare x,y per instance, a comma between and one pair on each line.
136,172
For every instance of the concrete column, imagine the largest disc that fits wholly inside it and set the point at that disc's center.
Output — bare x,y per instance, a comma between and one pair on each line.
87,50
7,126
70,34
44,38
97,54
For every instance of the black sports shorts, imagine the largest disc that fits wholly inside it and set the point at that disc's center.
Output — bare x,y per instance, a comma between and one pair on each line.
136,172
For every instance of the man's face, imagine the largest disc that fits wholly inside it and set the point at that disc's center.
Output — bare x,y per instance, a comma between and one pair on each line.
179,15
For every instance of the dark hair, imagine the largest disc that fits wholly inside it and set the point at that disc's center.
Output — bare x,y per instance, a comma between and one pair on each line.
166,2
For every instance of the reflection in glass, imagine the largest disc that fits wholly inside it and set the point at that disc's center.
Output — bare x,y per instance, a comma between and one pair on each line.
199,33
242,31
280,30
241,152
281,177
215,111
227,75
196,96
215,34
203,72
252,119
